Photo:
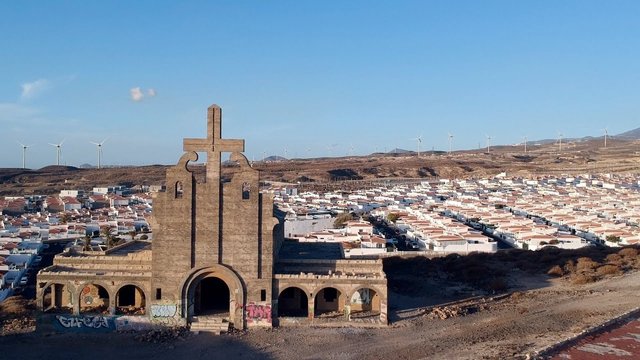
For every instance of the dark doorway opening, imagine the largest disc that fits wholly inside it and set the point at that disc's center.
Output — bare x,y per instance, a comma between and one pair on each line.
212,297
293,302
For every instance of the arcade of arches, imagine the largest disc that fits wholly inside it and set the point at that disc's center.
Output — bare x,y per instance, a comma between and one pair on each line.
331,303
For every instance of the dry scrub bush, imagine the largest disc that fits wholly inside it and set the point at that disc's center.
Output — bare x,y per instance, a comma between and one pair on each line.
556,271
628,252
608,270
580,279
570,267
518,295
585,263
614,258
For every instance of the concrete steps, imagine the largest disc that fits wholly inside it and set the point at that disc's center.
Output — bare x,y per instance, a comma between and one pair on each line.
209,324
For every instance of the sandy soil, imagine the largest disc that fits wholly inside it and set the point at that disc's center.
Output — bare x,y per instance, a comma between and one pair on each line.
509,327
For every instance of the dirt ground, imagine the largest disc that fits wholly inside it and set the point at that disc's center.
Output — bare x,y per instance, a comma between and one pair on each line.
490,327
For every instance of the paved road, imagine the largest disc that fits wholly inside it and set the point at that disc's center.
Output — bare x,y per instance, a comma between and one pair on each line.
622,342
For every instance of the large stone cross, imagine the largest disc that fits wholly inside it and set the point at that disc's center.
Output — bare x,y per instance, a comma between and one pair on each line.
214,142
214,145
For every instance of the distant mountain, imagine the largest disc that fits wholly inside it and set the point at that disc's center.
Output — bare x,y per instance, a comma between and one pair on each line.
56,168
274,158
399,151
629,135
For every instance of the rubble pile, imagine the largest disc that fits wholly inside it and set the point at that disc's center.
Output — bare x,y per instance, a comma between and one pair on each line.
163,335
18,325
456,310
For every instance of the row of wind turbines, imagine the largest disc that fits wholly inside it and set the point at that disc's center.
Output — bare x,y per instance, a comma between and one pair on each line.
489,138
58,147
450,138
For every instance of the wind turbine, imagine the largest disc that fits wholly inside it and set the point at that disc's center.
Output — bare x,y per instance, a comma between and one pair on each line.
419,140
560,142
24,153
488,144
606,134
58,151
450,141
99,149
525,144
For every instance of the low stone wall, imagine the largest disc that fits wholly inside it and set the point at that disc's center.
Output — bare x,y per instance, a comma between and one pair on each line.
61,323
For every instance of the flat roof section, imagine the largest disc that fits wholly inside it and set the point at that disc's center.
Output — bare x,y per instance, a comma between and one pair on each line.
292,250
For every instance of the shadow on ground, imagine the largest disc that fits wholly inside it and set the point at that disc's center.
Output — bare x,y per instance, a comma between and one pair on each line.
123,346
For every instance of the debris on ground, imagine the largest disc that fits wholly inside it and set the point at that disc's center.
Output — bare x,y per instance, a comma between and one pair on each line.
162,335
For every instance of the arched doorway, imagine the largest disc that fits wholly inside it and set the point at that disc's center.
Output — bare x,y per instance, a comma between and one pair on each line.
293,302
329,302
130,300
57,298
211,297
365,302
94,299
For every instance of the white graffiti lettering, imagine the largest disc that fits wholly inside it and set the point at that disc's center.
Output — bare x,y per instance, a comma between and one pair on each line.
163,310
362,296
93,322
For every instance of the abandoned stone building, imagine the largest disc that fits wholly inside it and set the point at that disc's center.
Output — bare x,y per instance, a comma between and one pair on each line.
218,258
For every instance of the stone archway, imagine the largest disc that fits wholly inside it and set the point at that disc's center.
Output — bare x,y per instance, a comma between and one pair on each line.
329,302
56,297
94,298
130,300
293,302
364,302
205,291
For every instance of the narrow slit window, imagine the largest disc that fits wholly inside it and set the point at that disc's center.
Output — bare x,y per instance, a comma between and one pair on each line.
179,190
246,191
263,295
158,294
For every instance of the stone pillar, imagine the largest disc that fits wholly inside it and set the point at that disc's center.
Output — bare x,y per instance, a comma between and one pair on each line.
40,297
310,308
112,305
383,311
76,302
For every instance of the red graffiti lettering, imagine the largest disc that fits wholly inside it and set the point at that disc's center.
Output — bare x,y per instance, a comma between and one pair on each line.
258,313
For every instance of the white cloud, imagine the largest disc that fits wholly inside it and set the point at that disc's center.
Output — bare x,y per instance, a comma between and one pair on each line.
136,94
32,89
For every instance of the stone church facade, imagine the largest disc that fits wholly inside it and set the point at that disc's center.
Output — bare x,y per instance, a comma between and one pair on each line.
215,259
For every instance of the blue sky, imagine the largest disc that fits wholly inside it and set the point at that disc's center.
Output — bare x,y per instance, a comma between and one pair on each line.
314,77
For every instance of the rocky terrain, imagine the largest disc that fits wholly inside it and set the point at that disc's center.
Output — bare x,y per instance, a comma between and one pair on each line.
620,156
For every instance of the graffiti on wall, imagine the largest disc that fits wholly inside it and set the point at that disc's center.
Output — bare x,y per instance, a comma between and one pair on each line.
258,314
87,322
166,310
362,296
